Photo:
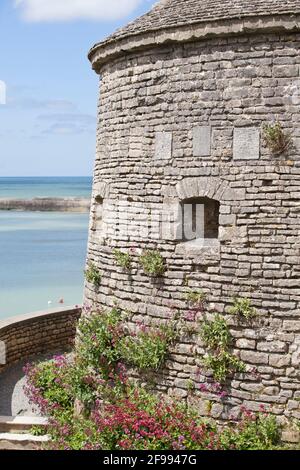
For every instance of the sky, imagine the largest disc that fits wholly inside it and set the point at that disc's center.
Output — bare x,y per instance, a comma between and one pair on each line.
48,124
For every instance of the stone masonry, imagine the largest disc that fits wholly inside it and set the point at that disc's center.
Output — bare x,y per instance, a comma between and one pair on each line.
38,333
181,114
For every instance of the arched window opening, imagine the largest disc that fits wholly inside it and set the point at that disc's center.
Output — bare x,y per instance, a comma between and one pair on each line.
98,213
200,219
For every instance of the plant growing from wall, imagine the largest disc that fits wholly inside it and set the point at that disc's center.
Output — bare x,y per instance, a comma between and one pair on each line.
223,364
152,263
97,335
104,340
122,259
242,306
276,138
120,414
93,275
216,336
196,297
148,348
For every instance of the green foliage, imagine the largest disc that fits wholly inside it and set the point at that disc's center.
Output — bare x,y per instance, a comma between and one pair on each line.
276,138
216,334
243,307
152,263
37,431
122,259
196,297
217,338
257,432
103,345
97,337
50,382
222,364
93,275
103,341
138,420
148,348
121,415
191,387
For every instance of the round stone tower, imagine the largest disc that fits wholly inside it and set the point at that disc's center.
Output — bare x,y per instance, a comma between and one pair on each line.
198,162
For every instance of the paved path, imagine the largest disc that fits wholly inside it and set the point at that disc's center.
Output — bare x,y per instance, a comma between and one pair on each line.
13,401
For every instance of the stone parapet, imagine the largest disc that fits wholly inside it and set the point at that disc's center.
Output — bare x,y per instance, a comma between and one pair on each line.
37,333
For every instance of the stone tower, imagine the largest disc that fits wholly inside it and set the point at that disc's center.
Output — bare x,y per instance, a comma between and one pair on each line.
186,93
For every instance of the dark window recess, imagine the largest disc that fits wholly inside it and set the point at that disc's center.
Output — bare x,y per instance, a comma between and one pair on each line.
98,213
200,218
99,200
267,182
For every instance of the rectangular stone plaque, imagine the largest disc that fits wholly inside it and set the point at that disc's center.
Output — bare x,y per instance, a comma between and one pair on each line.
246,143
163,145
202,141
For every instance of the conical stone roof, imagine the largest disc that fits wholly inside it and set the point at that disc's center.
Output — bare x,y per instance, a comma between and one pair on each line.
171,20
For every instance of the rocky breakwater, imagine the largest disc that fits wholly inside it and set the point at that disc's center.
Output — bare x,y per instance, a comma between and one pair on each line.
46,204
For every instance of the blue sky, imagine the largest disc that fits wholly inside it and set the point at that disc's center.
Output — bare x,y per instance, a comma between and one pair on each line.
47,127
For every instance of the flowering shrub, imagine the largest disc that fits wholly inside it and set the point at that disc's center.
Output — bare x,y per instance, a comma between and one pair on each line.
103,347
119,414
138,420
213,387
48,385
143,422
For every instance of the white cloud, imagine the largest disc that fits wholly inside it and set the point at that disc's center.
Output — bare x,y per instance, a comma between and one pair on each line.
66,124
67,10
26,103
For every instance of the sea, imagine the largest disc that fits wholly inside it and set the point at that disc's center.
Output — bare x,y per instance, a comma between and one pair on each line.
42,254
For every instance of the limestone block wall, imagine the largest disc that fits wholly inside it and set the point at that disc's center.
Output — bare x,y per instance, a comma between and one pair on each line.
185,121
36,333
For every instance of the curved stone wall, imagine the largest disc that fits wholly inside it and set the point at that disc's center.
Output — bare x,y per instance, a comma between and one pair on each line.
183,121
36,333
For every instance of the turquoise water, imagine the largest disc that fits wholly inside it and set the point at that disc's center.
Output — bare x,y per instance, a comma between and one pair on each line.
27,188
42,254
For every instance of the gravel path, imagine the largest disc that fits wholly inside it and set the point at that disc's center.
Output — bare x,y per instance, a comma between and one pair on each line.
13,401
